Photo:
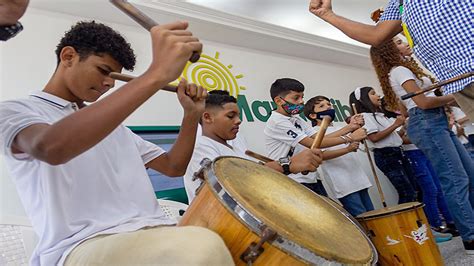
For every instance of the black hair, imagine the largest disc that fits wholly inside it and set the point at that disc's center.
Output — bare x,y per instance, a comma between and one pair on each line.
281,87
364,105
386,112
219,98
89,38
309,107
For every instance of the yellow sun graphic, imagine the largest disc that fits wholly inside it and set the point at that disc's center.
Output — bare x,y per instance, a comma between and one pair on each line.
213,75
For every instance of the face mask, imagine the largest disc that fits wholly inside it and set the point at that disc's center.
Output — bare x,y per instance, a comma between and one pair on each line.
291,108
331,113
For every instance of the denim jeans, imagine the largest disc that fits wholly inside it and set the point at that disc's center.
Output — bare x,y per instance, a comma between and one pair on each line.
428,181
390,161
429,131
357,202
317,188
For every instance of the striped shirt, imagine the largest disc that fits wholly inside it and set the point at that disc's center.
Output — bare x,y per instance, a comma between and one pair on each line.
443,36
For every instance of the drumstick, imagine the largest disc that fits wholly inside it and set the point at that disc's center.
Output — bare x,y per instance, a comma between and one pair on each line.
372,166
258,156
142,19
322,131
127,78
437,85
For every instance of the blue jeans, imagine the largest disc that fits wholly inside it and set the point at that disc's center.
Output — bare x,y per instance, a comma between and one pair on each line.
317,188
428,181
390,161
429,131
357,202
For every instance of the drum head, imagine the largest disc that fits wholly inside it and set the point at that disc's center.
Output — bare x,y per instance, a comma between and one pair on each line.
389,210
293,211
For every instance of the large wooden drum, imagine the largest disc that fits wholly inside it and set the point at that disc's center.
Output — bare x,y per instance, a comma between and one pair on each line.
266,218
402,235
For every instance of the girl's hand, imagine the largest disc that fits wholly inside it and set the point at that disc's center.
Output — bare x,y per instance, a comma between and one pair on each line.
353,147
358,135
400,121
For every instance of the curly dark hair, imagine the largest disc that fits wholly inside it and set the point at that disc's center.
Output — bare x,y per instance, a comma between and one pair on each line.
90,37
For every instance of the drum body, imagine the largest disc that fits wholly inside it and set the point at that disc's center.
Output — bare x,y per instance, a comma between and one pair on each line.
402,235
248,204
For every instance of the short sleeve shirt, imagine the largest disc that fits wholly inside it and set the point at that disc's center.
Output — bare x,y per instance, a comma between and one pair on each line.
380,122
282,137
442,34
104,190
208,148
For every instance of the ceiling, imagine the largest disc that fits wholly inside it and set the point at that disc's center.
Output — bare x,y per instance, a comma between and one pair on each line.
291,14
294,14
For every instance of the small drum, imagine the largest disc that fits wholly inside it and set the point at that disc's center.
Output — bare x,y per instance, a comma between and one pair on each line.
266,218
402,235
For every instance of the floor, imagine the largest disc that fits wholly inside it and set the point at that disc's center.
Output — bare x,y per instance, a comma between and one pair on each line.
454,254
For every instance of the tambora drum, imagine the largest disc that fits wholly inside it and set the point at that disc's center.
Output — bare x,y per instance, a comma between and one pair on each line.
402,235
266,218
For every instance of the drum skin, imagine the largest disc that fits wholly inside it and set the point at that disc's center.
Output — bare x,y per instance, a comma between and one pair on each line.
402,235
283,205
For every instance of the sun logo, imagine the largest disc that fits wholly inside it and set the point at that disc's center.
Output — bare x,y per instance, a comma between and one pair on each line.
213,75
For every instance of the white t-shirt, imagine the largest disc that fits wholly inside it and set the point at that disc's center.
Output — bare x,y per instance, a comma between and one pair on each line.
379,123
343,173
282,134
399,75
208,148
468,126
104,190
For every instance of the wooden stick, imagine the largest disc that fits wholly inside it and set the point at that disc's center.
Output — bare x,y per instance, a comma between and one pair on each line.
143,19
258,156
127,78
437,85
322,131
372,166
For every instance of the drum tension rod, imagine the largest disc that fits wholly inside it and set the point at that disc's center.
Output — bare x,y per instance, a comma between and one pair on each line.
255,249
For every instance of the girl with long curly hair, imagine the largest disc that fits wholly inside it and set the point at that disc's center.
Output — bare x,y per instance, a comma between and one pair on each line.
428,129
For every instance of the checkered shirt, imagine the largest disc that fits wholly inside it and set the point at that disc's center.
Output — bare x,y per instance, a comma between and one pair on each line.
443,36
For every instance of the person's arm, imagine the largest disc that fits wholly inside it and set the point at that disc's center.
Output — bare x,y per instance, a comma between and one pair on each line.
357,135
175,162
172,47
306,160
377,136
356,122
368,34
426,102
331,154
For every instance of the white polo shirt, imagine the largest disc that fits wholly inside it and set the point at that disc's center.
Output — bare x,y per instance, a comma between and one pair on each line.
208,148
343,173
282,134
104,190
379,122
399,75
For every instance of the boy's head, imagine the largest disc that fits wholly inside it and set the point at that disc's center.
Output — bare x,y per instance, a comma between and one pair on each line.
221,116
318,107
92,50
288,95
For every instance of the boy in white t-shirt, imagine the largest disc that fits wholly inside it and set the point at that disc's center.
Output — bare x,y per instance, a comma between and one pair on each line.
287,134
220,126
81,174
342,173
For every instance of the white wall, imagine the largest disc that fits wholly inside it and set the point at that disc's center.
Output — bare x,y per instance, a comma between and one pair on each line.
28,61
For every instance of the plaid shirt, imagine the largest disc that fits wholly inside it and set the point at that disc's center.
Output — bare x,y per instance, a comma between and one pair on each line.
443,36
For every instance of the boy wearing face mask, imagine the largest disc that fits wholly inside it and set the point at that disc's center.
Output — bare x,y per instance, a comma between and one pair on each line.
342,173
287,134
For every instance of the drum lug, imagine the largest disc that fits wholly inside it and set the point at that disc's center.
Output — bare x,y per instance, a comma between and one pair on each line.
205,164
254,250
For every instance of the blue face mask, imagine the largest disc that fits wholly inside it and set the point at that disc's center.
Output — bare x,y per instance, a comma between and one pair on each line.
331,113
291,108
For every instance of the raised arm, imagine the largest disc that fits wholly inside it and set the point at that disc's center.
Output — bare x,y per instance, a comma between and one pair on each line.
368,34
172,46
